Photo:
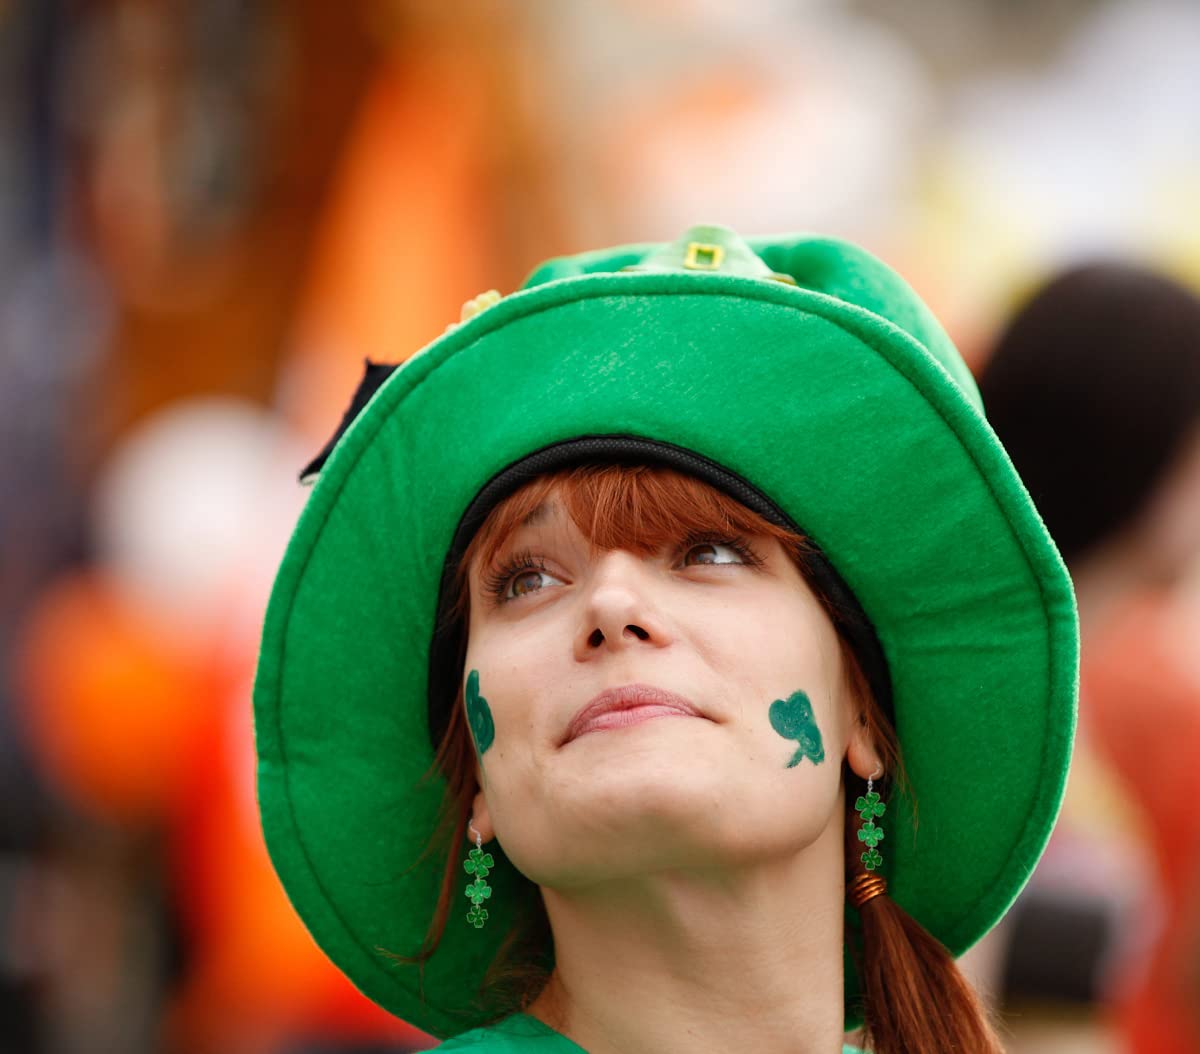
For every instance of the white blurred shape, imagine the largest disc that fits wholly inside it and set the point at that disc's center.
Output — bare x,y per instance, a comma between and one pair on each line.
1078,152
764,116
194,508
826,141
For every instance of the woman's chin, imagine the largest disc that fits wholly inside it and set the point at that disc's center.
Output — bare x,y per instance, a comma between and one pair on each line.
647,850
667,781
628,823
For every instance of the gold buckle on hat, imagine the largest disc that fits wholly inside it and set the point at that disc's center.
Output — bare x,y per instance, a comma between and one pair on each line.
703,256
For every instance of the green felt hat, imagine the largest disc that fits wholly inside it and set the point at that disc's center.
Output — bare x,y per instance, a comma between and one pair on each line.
805,378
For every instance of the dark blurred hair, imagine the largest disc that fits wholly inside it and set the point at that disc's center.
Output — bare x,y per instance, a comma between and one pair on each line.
1093,388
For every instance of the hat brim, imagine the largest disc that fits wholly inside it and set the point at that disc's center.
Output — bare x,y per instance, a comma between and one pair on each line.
843,420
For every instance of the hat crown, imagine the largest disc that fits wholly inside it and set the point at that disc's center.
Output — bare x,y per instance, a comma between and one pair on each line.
826,266
709,247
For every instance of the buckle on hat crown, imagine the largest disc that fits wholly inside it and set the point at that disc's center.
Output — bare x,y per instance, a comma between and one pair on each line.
703,256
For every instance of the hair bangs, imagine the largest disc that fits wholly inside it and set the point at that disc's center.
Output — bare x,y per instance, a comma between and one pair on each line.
639,508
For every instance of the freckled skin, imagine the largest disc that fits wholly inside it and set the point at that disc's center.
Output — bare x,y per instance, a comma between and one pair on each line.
479,715
793,718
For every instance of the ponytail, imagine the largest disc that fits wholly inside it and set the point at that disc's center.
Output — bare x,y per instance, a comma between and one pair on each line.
916,1000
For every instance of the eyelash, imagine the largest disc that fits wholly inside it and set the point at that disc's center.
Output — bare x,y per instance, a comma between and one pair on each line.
497,581
738,544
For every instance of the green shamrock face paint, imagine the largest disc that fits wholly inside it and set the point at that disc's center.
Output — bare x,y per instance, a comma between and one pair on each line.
793,718
479,715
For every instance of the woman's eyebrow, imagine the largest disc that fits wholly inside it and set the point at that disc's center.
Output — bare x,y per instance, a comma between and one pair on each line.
536,515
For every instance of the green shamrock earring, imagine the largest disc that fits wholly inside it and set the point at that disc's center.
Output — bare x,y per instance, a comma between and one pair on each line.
479,864
868,807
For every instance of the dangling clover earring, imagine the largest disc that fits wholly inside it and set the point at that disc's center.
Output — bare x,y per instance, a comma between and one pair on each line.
868,807
479,864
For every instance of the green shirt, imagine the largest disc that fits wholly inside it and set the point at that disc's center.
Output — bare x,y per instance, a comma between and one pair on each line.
522,1034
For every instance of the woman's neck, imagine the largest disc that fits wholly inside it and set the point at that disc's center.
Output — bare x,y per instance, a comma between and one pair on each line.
721,960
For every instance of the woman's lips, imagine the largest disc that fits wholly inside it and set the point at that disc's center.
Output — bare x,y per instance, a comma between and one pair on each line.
628,705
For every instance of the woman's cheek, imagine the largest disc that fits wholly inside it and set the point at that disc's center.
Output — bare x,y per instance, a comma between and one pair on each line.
793,719
479,715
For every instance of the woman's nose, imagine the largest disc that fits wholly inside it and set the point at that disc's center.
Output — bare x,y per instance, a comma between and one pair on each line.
619,610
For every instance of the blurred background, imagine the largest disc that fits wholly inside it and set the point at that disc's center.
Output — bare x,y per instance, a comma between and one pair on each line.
212,210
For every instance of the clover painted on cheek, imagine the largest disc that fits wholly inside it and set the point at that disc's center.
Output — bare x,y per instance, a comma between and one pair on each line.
479,715
793,718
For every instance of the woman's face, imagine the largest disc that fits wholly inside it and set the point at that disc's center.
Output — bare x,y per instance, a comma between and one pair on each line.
687,708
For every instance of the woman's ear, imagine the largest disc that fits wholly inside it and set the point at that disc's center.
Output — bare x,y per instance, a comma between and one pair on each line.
481,818
862,755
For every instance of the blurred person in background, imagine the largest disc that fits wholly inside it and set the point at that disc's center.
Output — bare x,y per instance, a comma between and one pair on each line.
1094,388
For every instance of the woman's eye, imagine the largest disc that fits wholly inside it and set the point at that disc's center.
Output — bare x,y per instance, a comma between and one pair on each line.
518,576
712,553
529,581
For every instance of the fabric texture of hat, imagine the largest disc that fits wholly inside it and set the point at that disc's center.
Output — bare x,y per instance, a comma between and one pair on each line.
800,365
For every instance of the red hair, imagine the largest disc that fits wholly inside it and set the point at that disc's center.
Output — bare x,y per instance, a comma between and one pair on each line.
914,997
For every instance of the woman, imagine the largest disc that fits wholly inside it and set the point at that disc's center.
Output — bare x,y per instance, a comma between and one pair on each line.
622,586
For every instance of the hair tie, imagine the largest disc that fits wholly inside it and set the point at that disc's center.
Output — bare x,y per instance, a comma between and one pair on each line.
864,887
